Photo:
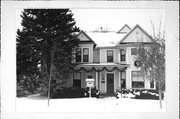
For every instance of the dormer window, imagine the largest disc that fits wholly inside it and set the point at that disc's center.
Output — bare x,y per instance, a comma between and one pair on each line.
109,55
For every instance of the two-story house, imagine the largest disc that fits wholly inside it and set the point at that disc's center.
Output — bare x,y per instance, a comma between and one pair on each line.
108,58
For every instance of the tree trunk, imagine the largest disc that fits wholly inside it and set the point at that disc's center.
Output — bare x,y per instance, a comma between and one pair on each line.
160,97
50,76
52,53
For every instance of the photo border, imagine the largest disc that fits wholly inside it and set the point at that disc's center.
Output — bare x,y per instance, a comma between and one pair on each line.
8,59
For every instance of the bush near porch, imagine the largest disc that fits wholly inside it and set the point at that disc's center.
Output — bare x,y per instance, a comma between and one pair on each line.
139,93
73,92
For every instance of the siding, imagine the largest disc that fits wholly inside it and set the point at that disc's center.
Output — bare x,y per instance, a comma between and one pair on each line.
96,56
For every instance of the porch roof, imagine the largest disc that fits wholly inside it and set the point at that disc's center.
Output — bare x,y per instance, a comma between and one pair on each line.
101,65
98,67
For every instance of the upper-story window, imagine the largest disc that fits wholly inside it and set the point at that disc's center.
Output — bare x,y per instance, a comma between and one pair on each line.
109,55
78,55
123,55
82,55
133,51
85,54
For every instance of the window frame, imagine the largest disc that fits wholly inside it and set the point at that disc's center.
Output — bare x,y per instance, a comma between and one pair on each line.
123,79
138,84
77,81
152,84
134,52
122,56
82,55
83,60
79,55
109,57
138,74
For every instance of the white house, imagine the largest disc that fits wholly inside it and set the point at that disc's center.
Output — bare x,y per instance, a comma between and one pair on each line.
108,58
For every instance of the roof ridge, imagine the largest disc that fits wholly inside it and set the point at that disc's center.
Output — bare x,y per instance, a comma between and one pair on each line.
123,28
137,25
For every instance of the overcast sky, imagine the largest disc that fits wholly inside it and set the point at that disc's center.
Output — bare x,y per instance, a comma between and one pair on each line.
114,19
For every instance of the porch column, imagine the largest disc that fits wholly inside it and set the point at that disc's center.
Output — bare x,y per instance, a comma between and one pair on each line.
97,80
119,79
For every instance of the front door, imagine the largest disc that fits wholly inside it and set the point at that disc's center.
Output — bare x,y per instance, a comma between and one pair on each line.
110,83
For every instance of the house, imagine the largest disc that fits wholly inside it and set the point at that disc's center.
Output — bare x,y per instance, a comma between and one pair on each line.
108,58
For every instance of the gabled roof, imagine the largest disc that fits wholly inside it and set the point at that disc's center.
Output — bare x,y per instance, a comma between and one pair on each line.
90,40
125,26
137,26
107,39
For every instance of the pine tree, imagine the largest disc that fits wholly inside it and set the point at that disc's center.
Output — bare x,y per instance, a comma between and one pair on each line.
44,46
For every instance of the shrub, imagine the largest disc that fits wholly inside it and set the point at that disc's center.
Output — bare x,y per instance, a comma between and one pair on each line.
94,92
141,93
73,92
70,92
149,94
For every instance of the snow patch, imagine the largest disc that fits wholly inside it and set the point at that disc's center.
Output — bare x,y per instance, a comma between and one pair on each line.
110,104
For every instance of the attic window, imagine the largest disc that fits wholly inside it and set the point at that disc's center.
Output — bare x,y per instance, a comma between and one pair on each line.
137,32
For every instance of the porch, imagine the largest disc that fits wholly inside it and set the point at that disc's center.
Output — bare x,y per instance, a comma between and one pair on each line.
107,76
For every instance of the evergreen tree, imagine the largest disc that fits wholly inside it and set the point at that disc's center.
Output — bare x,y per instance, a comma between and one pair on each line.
44,46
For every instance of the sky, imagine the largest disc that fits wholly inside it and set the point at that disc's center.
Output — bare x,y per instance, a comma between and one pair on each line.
114,19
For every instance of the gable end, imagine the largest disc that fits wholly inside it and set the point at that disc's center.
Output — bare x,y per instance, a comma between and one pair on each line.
137,26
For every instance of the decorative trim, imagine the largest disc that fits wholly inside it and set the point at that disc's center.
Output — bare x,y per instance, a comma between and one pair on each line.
97,70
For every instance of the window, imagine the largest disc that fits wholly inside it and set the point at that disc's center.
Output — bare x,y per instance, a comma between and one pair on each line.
152,84
137,79
137,84
82,55
123,79
85,54
123,55
89,76
133,51
77,80
110,56
78,55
